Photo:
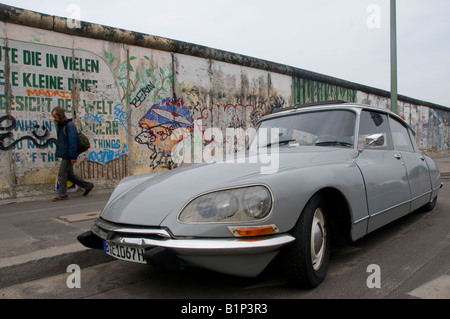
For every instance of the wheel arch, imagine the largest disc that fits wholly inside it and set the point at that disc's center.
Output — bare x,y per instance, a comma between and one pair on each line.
339,214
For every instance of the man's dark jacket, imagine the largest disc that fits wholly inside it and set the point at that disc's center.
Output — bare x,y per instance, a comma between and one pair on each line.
67,143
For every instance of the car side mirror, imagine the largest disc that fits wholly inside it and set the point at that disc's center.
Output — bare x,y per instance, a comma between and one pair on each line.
375,139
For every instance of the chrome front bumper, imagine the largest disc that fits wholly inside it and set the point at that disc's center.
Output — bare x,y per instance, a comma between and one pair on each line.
151,238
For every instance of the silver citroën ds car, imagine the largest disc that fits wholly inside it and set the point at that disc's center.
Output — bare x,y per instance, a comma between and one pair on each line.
344,170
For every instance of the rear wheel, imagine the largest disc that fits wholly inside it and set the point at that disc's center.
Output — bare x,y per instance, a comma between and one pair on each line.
305,262
430,206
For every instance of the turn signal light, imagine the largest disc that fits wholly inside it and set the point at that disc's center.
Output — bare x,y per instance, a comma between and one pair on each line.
254,231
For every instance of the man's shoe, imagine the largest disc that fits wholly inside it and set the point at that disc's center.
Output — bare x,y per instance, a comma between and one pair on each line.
87,191
60,199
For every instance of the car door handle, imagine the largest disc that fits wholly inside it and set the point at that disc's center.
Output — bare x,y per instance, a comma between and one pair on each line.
398,156
422,158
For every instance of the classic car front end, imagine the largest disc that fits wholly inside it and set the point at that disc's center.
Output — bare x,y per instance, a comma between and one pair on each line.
238,228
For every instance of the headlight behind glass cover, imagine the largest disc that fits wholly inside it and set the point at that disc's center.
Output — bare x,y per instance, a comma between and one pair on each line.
229,206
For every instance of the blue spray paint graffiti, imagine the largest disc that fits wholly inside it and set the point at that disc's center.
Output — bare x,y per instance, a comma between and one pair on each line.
122,117
107,155
93,117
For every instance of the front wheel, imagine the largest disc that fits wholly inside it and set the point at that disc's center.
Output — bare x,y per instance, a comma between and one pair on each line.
305,262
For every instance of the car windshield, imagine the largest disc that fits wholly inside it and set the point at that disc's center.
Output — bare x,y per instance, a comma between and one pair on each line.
319,128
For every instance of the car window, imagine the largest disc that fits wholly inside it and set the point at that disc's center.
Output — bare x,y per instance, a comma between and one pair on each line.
400,136
318,128
372,123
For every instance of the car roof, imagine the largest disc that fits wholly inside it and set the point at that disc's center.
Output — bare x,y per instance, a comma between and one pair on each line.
326,106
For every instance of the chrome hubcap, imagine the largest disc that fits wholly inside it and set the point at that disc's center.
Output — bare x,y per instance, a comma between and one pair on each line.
318,236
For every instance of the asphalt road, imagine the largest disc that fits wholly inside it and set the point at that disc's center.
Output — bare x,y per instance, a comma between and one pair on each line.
412,256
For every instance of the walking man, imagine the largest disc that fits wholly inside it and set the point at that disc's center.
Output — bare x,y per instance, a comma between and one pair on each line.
67,151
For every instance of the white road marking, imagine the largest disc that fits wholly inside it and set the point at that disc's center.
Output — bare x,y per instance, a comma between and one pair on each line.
80,217
436,289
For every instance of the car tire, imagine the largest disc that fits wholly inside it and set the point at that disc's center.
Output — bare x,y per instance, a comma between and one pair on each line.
305,262
430,206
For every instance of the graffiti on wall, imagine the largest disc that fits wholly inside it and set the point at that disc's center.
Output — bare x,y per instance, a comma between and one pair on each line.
41,78
167,124
230,116
159,126
308,91
145,80
221,96
142,94
106,155
39,137
138,82
438,131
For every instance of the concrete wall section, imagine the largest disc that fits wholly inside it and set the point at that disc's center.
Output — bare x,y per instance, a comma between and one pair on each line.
139,97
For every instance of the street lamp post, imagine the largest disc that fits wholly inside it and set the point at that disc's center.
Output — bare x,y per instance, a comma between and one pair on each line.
394,76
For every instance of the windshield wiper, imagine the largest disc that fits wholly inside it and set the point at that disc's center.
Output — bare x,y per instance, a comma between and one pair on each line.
332,143
279,143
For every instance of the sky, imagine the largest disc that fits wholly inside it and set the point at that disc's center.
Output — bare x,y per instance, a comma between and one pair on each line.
347,39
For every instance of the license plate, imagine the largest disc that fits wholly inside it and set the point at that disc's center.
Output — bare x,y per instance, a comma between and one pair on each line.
127,253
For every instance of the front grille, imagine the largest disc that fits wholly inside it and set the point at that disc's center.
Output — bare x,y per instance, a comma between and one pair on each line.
108,230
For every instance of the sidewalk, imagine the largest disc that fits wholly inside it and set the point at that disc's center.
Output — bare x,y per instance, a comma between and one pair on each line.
38,238
443,162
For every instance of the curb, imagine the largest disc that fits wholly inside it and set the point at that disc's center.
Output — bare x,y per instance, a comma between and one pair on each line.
15,273
49,197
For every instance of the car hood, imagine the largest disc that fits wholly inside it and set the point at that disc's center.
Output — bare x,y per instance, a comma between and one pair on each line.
147,200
